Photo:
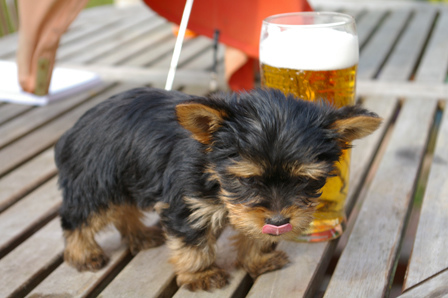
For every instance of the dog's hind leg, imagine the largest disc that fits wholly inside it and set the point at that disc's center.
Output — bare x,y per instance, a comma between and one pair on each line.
81,249
128,220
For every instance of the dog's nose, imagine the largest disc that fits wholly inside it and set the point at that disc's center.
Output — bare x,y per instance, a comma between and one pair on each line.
277,220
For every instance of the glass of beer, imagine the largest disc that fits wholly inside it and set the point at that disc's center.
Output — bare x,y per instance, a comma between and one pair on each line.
314,56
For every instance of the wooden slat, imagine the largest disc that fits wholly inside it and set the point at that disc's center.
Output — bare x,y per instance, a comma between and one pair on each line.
96,39
96,27
25,178
28,213
378,47
205,60
8,45
373,5
107,11
429,255
309,260
434,65
142,45
401,63
68,282
22,266
114,42
45,136
402,89
35,118
434,287
155,52
367,24
189,50
147,275
9,111
366,265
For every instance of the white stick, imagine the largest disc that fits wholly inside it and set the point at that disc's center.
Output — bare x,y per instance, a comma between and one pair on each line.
178,45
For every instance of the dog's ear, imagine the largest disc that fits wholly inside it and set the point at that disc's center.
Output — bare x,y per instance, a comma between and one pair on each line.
354,122
200,119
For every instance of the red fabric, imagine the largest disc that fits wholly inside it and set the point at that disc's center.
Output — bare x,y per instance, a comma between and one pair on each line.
239,22
243,78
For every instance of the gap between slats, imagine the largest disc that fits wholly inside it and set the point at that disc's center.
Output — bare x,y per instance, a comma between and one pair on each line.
411,229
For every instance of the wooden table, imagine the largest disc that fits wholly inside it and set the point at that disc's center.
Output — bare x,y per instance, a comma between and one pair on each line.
402,76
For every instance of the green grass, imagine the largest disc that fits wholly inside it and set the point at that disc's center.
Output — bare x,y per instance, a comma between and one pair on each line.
93,3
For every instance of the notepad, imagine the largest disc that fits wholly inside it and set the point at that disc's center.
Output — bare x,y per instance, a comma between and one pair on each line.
64,83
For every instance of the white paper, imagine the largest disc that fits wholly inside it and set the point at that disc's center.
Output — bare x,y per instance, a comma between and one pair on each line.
64,82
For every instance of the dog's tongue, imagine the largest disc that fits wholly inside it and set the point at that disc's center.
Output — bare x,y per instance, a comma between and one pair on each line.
276,230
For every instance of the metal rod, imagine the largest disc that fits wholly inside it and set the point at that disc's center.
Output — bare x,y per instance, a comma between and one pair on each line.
214,82
178,45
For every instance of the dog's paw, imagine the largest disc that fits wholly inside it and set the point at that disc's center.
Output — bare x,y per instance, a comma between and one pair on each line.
87,261
267,262
209,279
150,237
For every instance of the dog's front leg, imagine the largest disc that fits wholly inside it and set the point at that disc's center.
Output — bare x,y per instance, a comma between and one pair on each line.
257,256
195,265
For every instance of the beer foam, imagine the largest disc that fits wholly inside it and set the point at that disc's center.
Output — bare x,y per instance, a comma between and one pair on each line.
309,49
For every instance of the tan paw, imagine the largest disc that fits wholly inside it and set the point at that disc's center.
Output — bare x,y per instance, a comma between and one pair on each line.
212,278
86,260
265,263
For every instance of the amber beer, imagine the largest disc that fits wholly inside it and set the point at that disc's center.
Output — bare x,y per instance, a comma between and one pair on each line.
315,56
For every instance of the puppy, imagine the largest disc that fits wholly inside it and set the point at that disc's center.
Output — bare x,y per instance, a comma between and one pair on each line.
254,160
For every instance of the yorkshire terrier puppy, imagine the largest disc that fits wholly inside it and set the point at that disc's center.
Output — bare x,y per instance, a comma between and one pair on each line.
254,160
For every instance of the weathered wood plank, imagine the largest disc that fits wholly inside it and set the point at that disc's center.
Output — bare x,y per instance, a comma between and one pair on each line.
142,76
142,45
9,111
28,213
75,32
309,260
23,265
115,41
22,180
96,39
155,52
434,287
434,64
402,89
376,50
367,24
95,27
35,118
45,136
403,59
191,49
8,44
366,265
68,282
429,255
205,60
147,275
375,5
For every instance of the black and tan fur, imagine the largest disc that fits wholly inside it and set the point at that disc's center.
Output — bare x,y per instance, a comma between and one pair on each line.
245,159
